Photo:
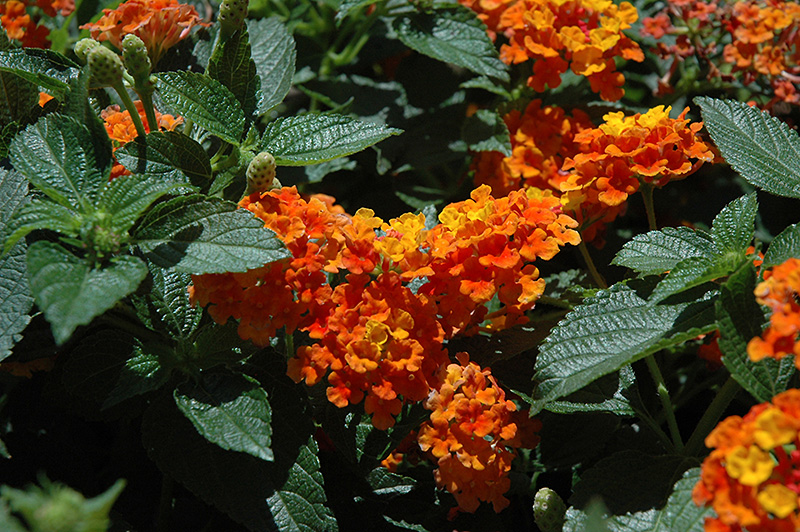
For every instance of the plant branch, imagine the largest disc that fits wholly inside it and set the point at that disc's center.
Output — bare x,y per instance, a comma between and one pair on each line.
710,418
666,403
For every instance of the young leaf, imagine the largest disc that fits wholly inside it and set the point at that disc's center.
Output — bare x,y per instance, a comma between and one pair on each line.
205,101
740,319
230,410
452,34
273,51
127,197
78,105
659,251
694,272
486,131
70,292
310,139
42,214
783,247
612,329
49,69
196,234
56,154
144,372
734,227
232,65
760,147
168,156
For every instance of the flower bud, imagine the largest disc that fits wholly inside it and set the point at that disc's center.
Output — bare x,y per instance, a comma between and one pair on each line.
105,67
548,510
83,47
134,55
231,16
261,174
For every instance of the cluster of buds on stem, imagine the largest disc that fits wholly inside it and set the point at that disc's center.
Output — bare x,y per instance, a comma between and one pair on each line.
231,17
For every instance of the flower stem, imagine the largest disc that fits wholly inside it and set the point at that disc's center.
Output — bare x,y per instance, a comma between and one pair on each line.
647,195
666,403
131,107
149,111
714,411
587,258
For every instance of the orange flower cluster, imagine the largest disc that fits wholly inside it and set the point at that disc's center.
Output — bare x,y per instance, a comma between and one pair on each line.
472,433
779,291
752,476
121,130
161,24
584,35
19,24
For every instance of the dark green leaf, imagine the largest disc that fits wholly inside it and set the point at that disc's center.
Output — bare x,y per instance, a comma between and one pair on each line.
347,6
310,139
606,394
49,69
56,154
571,439
125,198
170,299
384,483
70,292
274,53
43,214
168,156
486,131
488,84
230,410
734,227
232,65
196,234
783,247
693,272
659,251
18,97
740,319
78,105
205,101
762,148
454,35
144,372
612,329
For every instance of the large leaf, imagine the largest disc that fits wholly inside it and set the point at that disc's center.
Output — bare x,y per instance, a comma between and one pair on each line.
232,65
612,329
196,234
57,156
167,155
734,227
70,292
230,410
486,131
169,298
452,34
310,139
273,51
42,214
18,97
762,148
783,247
205,101
659,251
49,69
740,319
690,273
125,198
607,394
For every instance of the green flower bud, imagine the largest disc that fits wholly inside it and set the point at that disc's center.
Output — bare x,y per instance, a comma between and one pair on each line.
231,16
548,510
105,67
83,47
261,174
134,55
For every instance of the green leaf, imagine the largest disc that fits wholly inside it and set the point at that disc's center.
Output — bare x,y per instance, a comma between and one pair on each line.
783,247
125,198
273,51
606,394
232,65
571,439
144,372
167,155
49,69
451,34
734,227
680,513
760,147
205,101
693,272
740,319
386,484
658,251
56,154
310,139
169,298
196,234
230,410
18,98
70,292
614,328
43,214
78,104
486,131
346,6
13,197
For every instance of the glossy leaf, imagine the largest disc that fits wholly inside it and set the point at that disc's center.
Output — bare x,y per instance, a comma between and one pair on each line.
734,227
486,131
232,65
273,51
659,251
167,155
126,197
783,247
49,69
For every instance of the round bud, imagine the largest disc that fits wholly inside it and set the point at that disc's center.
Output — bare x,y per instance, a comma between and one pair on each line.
548,510
231,16
261,174
82,48
134,54
105,67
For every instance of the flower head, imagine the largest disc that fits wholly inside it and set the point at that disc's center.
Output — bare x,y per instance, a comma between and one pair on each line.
779,291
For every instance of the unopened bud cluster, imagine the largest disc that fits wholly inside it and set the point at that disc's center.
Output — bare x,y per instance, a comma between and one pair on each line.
261,174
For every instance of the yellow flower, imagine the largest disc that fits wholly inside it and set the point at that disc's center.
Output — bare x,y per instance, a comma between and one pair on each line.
778,500
749,465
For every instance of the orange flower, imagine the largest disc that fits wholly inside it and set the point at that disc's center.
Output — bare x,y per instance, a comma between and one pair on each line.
20,26
779,291
159,23
752,476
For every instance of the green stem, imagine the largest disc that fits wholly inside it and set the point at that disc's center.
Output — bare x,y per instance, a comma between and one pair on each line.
666,403
227,162
587,258
149,110
647,195
164,504
131,107
652,425
188,126
289,340
714,411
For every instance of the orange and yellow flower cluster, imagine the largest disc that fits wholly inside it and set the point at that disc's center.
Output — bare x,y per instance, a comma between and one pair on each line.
752,477
160,24
21,26
779,291
582,35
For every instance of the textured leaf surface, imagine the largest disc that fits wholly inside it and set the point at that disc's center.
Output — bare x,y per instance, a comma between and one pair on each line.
229,410
734,227
783,247
49,69
310,139
607,394
140,374
740,319
205,101
762,148
453,35
195,234
18,98
56,154
232,65
658,251
127,197
167,155
170,299
273,51
43,214
486,131
690,273
612,329
70,292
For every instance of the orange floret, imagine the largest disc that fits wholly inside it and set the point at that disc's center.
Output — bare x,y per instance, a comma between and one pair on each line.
20,26
752,476
779,291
